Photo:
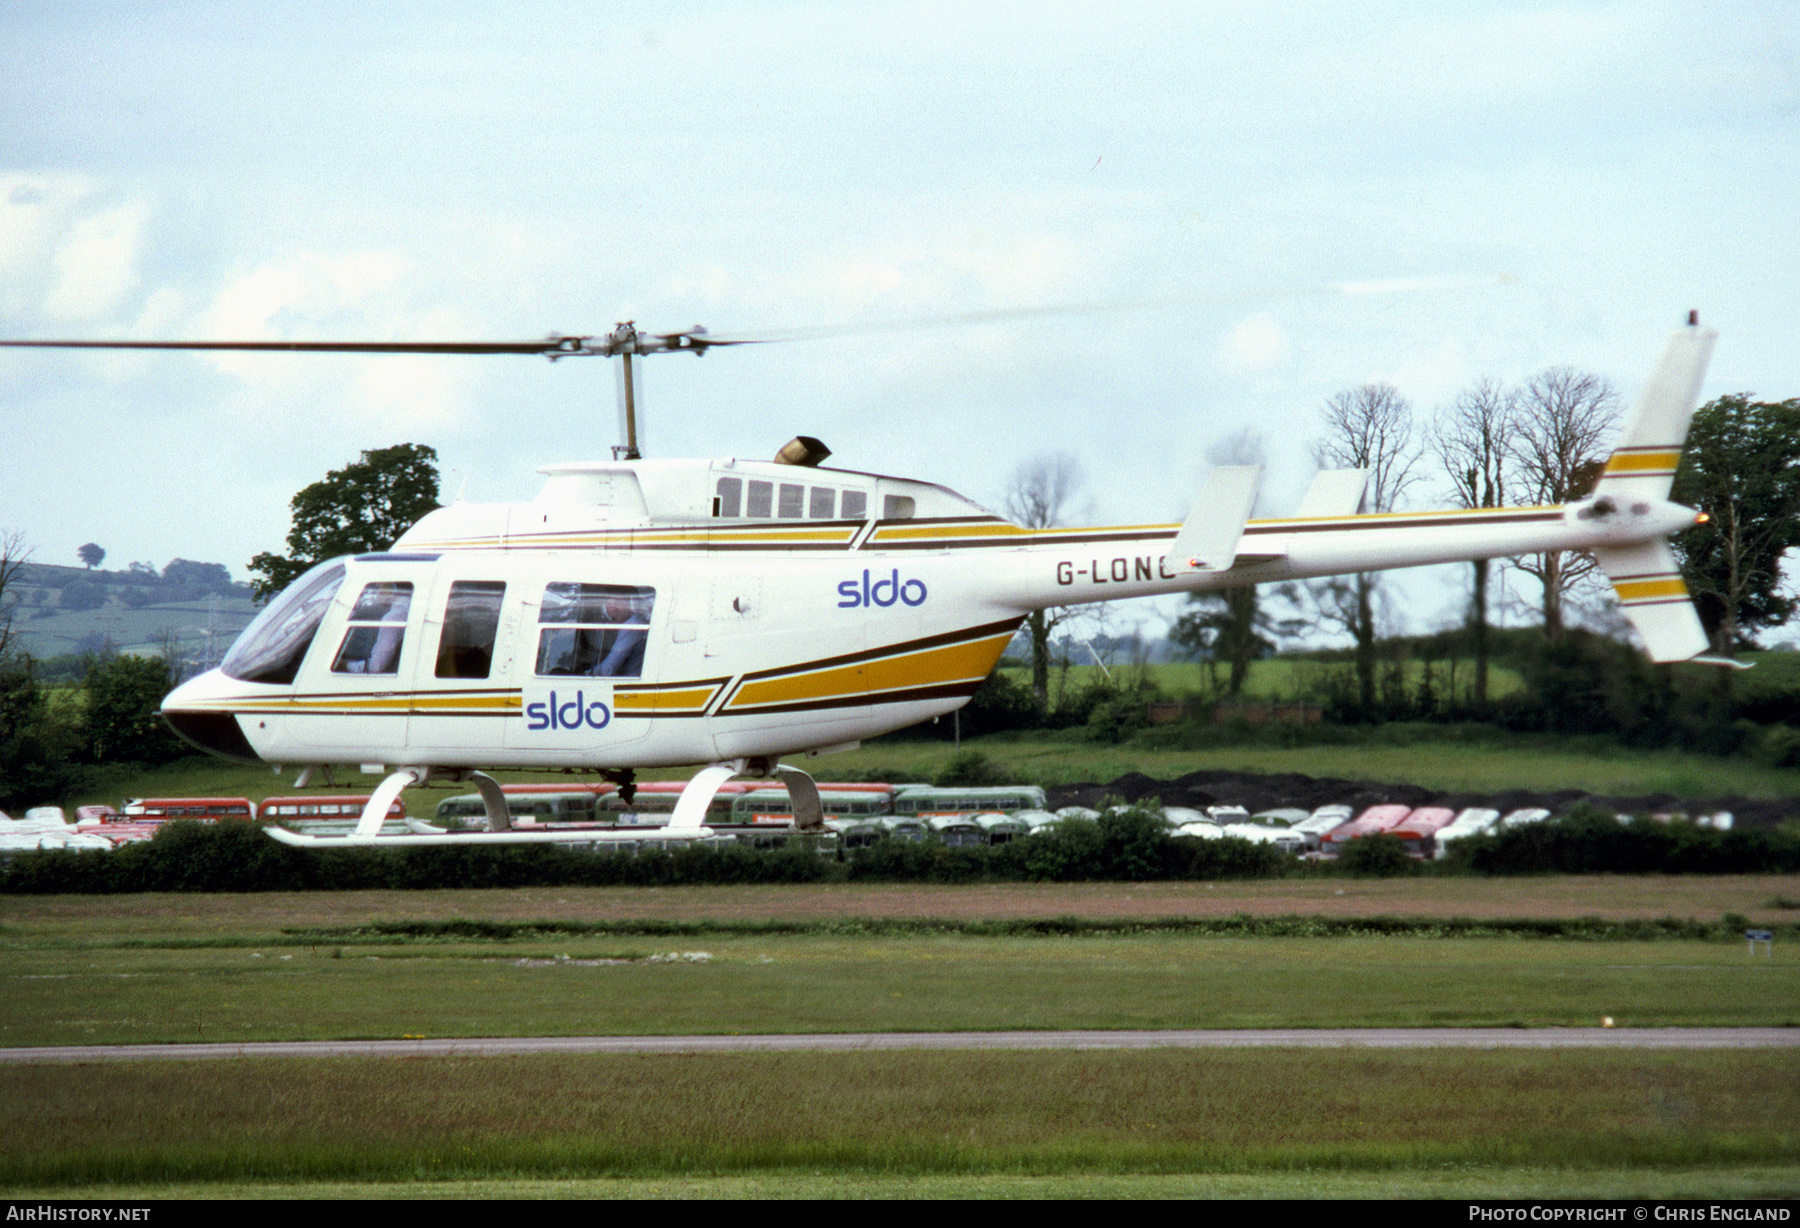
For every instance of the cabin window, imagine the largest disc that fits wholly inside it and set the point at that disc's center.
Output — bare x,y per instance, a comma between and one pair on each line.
761,497
598,630
275,642
471,622
897,507
824,503
793,501
729,499
377,630
856,505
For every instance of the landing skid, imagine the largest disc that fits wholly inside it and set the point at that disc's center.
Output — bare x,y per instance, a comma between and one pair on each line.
690,811
688,822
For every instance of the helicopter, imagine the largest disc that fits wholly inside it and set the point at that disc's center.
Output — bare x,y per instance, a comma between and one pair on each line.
646,613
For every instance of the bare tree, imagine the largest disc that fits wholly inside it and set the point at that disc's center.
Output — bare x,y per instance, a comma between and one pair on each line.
1039,497
1371,428
1470,437
13,555
1562,420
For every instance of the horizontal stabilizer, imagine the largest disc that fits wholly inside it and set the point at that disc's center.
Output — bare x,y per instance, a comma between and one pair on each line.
1643,465
1334,492
1654,597
1208,539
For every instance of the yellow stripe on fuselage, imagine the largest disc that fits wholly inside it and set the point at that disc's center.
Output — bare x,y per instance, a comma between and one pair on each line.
924,668
687,699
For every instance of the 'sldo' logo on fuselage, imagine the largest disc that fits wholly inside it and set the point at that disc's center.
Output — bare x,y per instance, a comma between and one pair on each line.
856,594
582,708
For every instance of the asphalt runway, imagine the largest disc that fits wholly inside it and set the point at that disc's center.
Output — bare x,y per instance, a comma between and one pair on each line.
1248,1038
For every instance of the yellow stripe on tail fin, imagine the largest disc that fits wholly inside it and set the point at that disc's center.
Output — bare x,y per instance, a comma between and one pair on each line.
1652,595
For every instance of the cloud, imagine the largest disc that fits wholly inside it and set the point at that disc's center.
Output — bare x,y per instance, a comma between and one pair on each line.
1254,345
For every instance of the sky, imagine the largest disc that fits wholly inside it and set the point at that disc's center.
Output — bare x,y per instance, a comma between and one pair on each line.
1246,208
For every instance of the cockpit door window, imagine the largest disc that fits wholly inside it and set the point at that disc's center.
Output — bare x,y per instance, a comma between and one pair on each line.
377,630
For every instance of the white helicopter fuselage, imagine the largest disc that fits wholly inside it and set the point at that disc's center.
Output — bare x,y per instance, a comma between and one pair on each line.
759,637
657,613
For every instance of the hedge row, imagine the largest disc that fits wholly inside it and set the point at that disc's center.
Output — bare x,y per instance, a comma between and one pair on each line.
239,857
1592,841
1128,846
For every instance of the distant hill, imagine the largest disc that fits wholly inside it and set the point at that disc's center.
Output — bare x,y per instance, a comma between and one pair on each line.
63,610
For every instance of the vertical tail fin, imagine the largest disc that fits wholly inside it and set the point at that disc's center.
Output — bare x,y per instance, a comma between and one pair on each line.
1643,465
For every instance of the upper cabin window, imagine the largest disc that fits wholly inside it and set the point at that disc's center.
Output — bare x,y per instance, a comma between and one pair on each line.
897,507
598,630
729,499
377,630
471,623
797,501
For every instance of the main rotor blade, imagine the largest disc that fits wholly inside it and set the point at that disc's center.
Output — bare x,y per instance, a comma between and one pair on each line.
1002,315
551,346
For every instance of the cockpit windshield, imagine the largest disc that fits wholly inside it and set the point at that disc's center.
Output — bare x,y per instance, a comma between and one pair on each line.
273,645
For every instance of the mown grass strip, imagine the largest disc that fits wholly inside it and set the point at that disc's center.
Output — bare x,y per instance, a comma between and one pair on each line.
1282,1111
1459,1182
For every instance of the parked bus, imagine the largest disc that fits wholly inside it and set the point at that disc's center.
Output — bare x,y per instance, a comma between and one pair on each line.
921,801
205,809
321,806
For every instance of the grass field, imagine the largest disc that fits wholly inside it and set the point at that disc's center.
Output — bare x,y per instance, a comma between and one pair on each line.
1445,761
1294,1120
1268,1123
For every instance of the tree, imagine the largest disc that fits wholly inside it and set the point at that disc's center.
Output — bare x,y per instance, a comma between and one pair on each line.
201,577
1470,437
1742,468
359,509
1231,626
82,593
124,696
13,555
37,741
37,744
1562,419
92,555
1039,497
1371,428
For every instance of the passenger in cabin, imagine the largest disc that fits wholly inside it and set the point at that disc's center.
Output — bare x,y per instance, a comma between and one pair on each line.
625,657
597,630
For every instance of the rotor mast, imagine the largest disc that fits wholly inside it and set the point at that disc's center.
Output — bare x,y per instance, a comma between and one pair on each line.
625,343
